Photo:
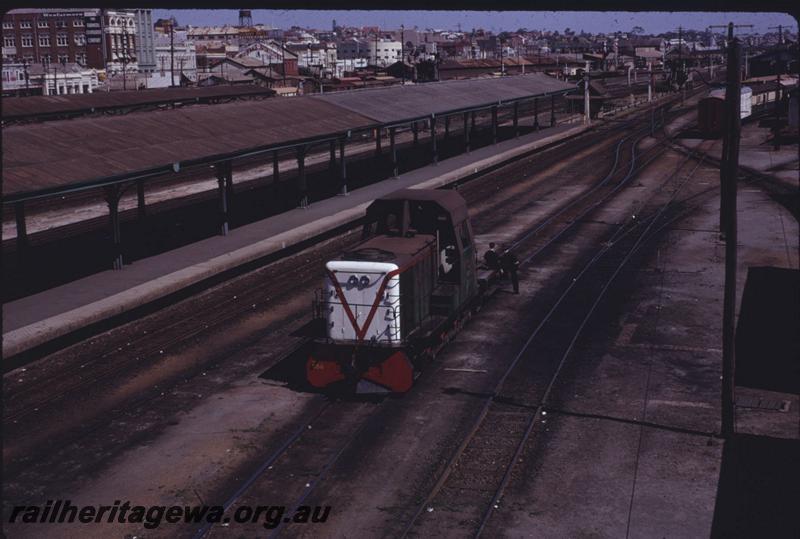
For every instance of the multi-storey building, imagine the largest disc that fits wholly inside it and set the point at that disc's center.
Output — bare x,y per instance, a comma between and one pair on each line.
352,48
119,41
384,52
145,40
48,36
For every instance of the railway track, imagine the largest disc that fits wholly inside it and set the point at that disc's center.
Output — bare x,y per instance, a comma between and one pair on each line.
335,443
207,315
520,398
53,391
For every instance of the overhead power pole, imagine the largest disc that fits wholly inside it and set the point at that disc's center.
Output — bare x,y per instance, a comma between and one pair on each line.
172,54
376,50
779,28
403,52
586,107
776,139
124,58
726,135
729,173
730,26
680,48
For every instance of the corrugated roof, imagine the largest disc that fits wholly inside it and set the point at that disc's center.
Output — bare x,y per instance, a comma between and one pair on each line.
19,107
405,103
60,153
51,156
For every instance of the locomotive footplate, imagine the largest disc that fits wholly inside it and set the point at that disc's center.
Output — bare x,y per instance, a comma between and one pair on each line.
362,368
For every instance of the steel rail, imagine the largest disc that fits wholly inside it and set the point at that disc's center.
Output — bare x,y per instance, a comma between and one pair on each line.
498,385
496,392
544,400
320,476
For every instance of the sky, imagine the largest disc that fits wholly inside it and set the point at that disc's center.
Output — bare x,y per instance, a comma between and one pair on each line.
593,22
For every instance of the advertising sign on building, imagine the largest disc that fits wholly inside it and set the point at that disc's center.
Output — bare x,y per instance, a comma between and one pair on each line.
94,33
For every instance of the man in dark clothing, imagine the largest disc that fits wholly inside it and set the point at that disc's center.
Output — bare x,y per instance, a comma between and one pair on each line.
490,258
510,264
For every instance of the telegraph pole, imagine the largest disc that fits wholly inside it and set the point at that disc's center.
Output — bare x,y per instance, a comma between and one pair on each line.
729,172
502,66
172,54
283,58
403,52
680,48
778,72
726,134
376,50
586,107
779,28
25,69
730,26
124,58
181,60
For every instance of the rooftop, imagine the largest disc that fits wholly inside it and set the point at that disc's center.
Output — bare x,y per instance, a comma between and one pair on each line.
409,102
42,159
17,108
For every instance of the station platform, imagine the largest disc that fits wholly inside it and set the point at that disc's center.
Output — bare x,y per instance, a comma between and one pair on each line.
43,317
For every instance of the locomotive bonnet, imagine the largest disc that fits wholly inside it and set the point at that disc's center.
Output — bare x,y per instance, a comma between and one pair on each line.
392,301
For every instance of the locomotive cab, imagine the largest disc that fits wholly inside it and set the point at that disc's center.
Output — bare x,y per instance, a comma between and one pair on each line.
439,213
387,301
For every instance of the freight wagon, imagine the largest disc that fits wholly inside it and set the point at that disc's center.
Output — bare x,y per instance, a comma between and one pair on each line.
711,110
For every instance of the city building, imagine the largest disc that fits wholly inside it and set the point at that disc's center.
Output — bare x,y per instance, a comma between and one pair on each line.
252,34
350,65
175,60
16,80
211,52
384,52
145,40
271,53
319,58
352,48
119,32
205,34
50,36
163,26
52,79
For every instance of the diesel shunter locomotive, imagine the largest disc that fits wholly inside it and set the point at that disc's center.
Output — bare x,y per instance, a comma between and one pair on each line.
389,304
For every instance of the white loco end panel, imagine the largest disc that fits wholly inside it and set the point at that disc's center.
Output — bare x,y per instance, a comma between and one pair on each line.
360,281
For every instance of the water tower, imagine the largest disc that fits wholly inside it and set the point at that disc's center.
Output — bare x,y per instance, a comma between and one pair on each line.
245,17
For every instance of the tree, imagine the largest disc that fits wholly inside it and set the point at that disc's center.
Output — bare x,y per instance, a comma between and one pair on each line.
637,30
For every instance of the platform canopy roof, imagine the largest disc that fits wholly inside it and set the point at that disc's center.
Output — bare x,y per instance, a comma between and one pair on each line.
397,104
17,108
60,156
55,156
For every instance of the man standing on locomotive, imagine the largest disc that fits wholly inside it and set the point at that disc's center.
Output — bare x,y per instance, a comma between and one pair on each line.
490,257
510,264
